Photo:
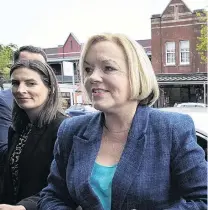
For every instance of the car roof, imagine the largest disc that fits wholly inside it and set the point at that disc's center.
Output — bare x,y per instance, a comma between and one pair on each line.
198,114
191,104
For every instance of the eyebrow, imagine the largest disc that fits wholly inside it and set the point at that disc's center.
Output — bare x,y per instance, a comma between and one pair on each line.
27,80
87,63
109,60
103,61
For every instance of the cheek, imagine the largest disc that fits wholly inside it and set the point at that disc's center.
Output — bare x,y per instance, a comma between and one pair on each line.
43,94
13,90
87,85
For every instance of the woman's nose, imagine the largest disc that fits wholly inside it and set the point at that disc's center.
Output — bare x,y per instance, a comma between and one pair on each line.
21,88
96,75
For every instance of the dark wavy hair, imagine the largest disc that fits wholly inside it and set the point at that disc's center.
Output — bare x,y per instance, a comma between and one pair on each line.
52,105
30,49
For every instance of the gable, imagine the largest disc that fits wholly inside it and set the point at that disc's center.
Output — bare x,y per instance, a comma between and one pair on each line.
176,9
72,44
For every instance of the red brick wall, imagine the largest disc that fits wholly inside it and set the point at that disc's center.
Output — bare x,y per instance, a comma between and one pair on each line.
71,46
172,31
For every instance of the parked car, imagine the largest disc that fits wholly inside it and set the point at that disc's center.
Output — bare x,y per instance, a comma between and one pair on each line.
200,118
79,109
191,104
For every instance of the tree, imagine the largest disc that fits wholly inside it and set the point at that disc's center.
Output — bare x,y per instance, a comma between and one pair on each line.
201,46
6,56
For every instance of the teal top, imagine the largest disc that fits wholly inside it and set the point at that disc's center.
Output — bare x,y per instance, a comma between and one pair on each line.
101,183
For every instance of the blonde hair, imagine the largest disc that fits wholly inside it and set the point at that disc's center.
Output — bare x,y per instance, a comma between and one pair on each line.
143,83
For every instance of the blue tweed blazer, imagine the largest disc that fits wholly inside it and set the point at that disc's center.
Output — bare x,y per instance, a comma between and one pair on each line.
161,167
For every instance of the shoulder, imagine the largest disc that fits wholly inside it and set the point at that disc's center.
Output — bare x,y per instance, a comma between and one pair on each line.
60,117
6,98
78,125
54,125
166,118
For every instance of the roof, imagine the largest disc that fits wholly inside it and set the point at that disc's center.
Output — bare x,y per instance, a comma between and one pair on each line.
192,5
51,50
145,42
181,77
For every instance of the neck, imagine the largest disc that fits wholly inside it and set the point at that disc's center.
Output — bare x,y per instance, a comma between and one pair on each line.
120,121
33,114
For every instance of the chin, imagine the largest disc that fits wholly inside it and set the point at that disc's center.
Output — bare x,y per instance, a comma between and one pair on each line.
101,107
25,107
98,106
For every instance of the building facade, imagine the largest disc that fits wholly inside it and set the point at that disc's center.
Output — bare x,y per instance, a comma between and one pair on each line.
181,75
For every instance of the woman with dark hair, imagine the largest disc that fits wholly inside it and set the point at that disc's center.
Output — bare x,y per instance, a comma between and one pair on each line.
35,120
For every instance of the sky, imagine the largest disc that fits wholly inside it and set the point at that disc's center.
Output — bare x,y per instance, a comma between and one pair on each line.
47,23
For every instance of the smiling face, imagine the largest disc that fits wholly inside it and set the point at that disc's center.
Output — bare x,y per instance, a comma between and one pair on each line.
106,76
29,91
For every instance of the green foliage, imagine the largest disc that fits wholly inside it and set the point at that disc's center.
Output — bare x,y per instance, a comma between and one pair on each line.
201,46
6,56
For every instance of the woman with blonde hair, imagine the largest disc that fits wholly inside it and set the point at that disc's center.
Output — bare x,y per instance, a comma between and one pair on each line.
128,155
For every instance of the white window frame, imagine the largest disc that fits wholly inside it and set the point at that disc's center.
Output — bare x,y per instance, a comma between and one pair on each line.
185,52
170,50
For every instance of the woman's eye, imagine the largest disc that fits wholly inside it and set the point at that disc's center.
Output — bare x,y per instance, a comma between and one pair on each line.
109,68
31,84
88,69
14,83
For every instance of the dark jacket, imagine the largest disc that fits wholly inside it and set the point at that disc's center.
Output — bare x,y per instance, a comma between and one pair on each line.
161,167
6,100
34,164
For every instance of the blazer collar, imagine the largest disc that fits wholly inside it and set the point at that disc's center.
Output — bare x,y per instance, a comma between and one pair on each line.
94,127
138,126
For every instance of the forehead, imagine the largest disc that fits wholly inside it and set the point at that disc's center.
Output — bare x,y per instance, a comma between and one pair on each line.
25,74
24,55
105,50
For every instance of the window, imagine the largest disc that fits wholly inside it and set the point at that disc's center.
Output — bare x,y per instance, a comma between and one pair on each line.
184,52
71,45
170,53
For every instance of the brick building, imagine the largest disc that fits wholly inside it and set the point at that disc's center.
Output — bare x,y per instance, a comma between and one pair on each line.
180,72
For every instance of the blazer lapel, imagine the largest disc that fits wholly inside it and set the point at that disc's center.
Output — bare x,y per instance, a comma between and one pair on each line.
85,152
131,158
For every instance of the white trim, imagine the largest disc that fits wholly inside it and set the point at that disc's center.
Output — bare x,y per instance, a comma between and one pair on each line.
63,53
63,59
178,20
180,14
179,25
72,34
176,4
147,47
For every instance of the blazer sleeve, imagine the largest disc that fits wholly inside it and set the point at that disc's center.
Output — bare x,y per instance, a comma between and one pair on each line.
189,167
55,195
30,203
